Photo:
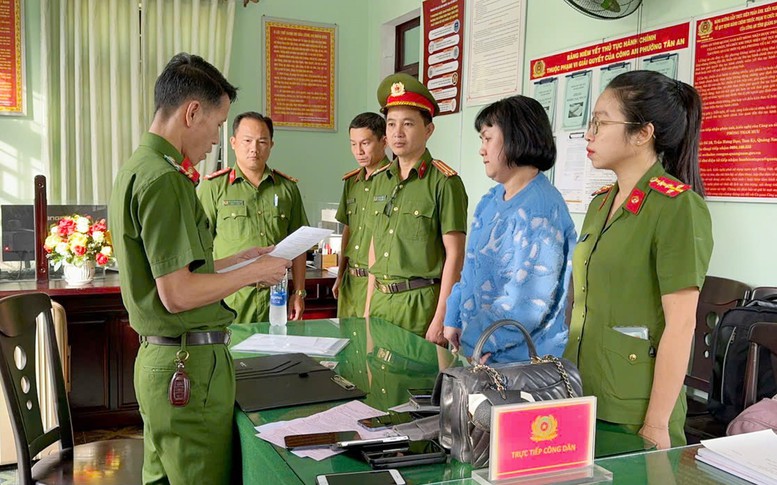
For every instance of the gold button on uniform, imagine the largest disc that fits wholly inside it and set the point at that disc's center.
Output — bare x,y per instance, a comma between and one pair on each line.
283,216
385,254
233,214
396,209
415,213
632,357
391,231
357,246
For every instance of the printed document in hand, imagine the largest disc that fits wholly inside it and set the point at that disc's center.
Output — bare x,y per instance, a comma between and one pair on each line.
290,344
292,246
749,456
340,418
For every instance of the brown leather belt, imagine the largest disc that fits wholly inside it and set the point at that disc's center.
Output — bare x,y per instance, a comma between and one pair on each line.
360,272
192,338
406,285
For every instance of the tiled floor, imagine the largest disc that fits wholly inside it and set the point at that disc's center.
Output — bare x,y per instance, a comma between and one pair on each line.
8,475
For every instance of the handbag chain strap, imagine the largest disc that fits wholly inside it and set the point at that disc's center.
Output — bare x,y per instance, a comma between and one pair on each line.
498,379
561,370
494,375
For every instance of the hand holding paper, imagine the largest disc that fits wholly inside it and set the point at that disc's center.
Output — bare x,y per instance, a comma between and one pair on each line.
292,246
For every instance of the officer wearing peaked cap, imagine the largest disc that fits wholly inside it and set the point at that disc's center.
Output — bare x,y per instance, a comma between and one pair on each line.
419,208
254,205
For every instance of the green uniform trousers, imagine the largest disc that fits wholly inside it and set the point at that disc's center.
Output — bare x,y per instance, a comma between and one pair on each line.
190,444
352,297
251,304
412,310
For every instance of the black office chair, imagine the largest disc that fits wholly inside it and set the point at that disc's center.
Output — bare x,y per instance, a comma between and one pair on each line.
763,293
106,462
763,336
716,297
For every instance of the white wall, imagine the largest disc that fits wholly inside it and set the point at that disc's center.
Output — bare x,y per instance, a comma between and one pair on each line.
744,232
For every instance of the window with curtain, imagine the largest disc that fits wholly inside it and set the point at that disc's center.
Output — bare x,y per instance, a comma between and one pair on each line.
100,61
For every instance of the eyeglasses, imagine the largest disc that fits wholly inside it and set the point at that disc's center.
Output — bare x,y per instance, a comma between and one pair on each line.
595,123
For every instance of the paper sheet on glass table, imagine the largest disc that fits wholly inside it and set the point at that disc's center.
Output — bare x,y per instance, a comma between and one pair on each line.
292,246
340,418
286,344
750,456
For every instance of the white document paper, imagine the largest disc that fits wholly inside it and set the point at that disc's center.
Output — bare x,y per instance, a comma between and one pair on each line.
750,456
292,246
339,418
286,344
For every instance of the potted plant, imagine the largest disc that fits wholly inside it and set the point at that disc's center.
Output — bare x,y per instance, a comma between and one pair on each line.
77,243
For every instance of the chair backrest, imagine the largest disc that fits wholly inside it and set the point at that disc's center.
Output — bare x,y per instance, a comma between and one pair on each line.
762,335
19,317
763,293
717,295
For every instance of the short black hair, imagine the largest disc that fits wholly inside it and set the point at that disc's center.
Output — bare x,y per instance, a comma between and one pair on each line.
375,122
186,77
254,116
528,137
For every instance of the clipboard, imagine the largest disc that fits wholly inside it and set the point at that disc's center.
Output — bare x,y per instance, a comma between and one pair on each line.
277,381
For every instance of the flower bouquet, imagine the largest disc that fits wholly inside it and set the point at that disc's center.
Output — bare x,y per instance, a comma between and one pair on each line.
78,241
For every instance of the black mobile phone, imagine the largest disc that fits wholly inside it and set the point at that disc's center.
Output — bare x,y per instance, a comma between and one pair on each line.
386,420
316,440
383,477
416,453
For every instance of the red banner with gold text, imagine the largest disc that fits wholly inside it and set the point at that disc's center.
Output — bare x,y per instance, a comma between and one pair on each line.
300,75
735,74
11,61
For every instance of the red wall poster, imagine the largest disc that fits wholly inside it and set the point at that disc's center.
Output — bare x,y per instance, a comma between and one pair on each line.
735,75
300,74
443,52
11,58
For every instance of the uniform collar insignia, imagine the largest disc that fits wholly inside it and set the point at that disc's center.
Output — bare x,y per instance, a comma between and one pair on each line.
186,167
232,176
422,169
634,201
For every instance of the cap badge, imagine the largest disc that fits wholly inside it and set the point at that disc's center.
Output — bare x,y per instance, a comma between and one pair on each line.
397,89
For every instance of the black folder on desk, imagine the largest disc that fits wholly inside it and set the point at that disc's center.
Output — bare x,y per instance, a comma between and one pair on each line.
277,381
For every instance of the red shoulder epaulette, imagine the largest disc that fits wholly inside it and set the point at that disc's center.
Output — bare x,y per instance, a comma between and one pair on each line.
218,173
604,189
289,177
667,186
446,170
352,173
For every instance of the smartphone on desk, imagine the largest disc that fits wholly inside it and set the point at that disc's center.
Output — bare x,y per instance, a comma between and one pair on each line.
386,420
382,477
421,397
319,440
388,441
421,452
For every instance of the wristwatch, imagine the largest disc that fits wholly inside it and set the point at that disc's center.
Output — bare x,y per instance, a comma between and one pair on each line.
302,293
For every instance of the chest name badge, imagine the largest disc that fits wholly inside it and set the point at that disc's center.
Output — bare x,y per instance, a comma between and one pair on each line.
350,201
234,202
379,198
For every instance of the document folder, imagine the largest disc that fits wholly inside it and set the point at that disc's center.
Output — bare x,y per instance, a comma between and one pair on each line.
277,381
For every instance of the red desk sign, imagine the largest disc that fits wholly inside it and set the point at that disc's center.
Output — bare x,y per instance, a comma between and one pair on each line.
542,437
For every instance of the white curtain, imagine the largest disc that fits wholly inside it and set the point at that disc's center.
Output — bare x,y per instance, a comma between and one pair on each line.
204,27
100,61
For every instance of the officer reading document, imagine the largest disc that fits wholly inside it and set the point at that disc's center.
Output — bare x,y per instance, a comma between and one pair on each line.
420,210
184,377
254,205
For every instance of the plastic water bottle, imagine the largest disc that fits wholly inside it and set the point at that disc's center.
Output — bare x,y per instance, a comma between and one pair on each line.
278,297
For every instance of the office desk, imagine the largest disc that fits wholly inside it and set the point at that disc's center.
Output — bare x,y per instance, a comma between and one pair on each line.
383,360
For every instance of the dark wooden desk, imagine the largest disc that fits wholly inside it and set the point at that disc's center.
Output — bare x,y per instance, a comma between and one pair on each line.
103,345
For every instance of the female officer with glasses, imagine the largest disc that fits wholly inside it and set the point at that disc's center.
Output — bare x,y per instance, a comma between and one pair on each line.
642,256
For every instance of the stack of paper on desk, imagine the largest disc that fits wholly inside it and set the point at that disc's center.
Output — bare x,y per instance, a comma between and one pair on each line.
749,456
339,418
289,344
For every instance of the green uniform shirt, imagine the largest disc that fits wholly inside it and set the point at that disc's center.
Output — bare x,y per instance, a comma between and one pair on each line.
654,245
353,212
242,216
411,217
159,227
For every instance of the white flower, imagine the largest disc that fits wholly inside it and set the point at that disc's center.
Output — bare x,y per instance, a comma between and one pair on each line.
82,224
397,89
62,249
98,236
107,250
54,231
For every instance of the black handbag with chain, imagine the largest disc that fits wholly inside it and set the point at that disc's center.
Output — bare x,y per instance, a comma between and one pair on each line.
467,433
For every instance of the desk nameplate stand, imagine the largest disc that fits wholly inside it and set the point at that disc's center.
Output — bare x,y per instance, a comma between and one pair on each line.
544,442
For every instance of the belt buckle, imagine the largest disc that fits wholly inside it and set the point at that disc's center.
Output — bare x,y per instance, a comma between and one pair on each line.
394,287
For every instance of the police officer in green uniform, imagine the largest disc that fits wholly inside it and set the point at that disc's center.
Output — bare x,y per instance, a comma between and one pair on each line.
420,210
643,253
254,205
168,284
368,145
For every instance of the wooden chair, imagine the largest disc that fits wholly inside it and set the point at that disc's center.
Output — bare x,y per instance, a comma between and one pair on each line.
106,462
717,295
763,336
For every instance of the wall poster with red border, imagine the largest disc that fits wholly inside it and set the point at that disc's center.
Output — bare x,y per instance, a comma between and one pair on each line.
299,68
443,52
12,79
735,72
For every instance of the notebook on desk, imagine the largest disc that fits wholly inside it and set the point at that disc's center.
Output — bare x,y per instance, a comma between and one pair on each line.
277,381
